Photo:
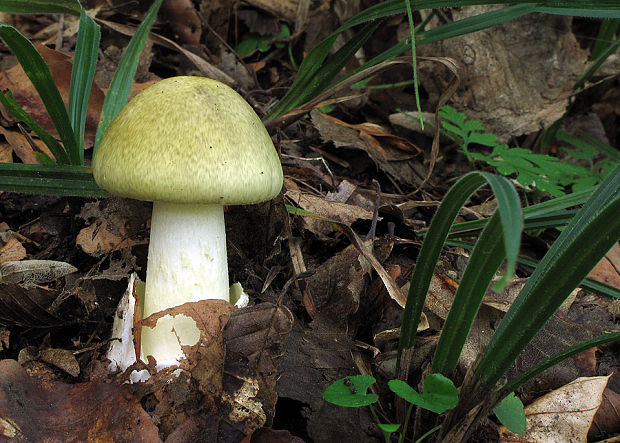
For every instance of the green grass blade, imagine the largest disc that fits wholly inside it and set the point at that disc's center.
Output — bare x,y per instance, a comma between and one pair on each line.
611,49
120,88
437,234
484,262
314,75
39,74
587,238
13,107
587,283
607,9
518,381
429,254
71,7
49,179
606,33
82,75
475,23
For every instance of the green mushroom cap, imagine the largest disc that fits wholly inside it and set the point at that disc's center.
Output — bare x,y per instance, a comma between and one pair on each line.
188,140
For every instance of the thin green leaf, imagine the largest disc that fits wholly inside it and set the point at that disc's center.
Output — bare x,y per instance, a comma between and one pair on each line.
71,7
587,238
606,33
120,88
82,75
588,284
8,101
511,414
596,64
350,392
388,427
313,76
39,74
49,179
439,393
487,256
523,378
436,236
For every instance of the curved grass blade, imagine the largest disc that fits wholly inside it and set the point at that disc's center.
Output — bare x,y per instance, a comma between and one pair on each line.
611,49
120,88
82,75
39,74
71,7
487,256
13,107
523,378
437,234
587,283
587,238
313,76
49,179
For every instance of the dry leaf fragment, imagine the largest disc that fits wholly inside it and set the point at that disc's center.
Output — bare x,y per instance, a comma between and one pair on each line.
562,415
34,410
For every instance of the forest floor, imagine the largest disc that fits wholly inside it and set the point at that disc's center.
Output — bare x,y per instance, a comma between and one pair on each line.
319,311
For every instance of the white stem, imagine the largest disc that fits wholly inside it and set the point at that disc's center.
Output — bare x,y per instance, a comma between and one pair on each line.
186,263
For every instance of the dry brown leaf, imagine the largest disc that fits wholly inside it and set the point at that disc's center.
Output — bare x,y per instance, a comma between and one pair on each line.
22,148
60,64
606,271
562,415
341,212
607,419
36,410
523,70
27,306
12,250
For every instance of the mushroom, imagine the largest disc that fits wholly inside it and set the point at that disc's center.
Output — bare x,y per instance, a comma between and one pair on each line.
190,145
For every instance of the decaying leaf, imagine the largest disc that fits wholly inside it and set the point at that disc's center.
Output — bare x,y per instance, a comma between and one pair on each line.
392,154
27,306
34,410
117,224
562,415
12,250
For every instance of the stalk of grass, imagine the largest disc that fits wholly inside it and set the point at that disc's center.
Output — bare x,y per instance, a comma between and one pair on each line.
120,88
71,7
587,238
82,76
39,74
511,225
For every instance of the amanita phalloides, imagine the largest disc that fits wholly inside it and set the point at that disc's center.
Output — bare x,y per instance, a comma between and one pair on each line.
190,145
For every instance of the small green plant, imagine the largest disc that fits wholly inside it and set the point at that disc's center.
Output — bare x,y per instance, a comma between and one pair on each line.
254,42
439,395
542,172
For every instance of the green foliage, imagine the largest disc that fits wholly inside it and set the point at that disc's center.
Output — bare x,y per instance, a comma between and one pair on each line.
65,175
439,393
350,392
511,414
585,240
251,43
542,172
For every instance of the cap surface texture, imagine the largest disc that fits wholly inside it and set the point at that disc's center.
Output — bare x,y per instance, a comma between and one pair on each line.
188,140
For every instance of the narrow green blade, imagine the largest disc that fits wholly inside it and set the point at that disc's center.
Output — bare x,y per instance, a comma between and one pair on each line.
49,179
71,7
120,88
39,74
586,239
82,75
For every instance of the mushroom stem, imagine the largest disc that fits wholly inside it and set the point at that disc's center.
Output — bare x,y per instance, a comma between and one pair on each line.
186,263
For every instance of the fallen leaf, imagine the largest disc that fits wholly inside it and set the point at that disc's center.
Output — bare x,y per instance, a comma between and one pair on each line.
606,270
12,250
34,410
341,212
562,415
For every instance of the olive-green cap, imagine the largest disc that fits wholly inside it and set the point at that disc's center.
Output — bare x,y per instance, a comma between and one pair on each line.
188,140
